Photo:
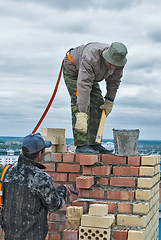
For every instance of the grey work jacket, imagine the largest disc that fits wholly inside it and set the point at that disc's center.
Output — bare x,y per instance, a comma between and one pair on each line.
89,66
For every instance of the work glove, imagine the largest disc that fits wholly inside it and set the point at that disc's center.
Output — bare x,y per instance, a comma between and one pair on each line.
81,122
107,106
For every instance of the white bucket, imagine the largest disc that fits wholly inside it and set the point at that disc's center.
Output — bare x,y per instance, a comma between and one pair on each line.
126,142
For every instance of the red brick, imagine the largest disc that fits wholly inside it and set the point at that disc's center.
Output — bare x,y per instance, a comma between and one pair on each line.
68,157
64,207
73,176
125,171
72,197
111,159
119,234
120,195
111,207
84,182
54,236
122,181
56,157
134,161
62,227
50,167
87,159
64,167
60,177
124,208
81,204
97,193
57,217
69,234
102,181
97,170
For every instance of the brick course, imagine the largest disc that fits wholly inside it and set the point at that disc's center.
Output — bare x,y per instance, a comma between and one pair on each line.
128,185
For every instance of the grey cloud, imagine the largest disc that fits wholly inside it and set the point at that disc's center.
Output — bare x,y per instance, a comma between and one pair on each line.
155,35
72,4
36,35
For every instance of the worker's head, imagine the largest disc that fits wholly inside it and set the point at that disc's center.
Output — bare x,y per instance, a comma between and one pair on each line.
33,146
115,55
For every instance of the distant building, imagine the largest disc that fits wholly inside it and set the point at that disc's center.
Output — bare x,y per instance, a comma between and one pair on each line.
9,156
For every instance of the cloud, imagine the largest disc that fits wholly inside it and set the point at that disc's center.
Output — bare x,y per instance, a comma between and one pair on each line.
35,36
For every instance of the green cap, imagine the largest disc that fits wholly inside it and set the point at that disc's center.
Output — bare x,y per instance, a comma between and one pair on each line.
116,54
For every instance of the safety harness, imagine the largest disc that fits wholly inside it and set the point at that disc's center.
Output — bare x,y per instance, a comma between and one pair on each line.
4,171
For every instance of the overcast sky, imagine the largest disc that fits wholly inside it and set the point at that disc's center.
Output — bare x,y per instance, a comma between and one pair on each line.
34,37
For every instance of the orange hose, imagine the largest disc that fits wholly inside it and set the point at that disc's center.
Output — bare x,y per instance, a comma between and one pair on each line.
51,100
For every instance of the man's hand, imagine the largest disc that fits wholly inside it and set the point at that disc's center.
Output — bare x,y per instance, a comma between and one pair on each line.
107,106
81,122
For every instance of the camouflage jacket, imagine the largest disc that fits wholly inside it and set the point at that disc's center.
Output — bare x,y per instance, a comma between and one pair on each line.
89,65
29,194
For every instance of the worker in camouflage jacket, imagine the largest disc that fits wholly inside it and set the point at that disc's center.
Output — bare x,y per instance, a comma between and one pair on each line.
29,193
84,67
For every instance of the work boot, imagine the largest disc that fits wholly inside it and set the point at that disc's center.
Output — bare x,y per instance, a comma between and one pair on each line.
85,149
101,149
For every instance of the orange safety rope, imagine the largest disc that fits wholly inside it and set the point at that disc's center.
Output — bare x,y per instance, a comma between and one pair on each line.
51,100
1,182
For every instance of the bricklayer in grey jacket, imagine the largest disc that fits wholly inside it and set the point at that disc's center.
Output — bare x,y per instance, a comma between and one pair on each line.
29,194
89,65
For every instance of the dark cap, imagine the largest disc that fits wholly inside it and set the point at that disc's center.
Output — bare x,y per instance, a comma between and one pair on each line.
35,142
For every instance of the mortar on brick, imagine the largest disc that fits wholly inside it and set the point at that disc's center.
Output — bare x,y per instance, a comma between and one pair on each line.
150,197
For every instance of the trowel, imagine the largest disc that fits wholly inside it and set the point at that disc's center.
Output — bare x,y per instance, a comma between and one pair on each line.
101,127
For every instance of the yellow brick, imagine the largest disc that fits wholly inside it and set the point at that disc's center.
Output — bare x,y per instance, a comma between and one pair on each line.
72,223
62,148
61,140
74,212
53,132
145,183
156,169
98,209
142,194
53,139
131,220
141,208
157,158
148,160
97,221
87,233
136,235
52,149
146,171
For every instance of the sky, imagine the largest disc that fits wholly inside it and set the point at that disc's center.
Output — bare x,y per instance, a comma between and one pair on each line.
36,34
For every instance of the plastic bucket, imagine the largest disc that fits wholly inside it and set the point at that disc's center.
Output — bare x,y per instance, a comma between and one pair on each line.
126,142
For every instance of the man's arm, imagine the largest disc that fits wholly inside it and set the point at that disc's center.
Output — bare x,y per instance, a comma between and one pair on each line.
51,197
113,83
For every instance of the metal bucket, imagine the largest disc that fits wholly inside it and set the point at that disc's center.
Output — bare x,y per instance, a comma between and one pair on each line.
126,142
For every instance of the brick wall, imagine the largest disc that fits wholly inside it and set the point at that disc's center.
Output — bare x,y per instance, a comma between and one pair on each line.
129,185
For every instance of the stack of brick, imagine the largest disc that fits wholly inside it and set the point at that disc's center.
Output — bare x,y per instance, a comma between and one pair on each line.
57,137
96,224
73,219
128,185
